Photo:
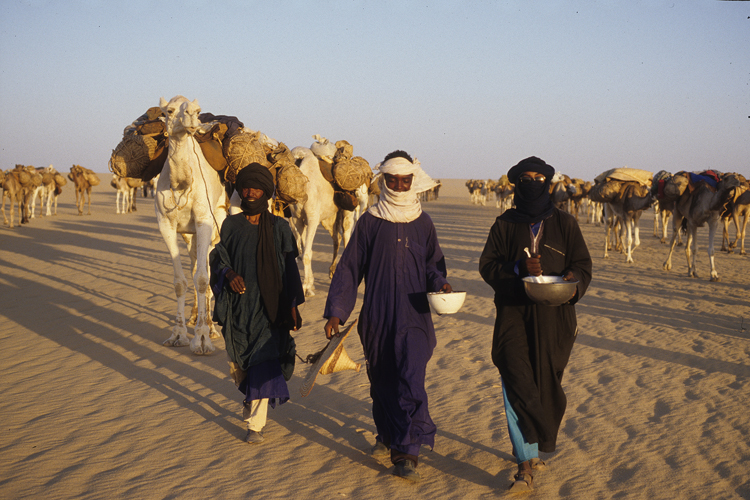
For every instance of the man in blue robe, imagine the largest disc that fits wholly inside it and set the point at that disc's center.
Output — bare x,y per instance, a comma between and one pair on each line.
257,287
394,247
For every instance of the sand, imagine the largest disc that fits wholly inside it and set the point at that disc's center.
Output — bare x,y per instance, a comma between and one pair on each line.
93,406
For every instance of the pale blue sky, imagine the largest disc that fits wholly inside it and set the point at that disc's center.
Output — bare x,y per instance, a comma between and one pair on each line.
469,88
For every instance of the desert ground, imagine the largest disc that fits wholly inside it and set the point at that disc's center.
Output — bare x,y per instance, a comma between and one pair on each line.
95,407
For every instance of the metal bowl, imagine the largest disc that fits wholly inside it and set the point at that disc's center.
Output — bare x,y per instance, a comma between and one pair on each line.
549,290
446,303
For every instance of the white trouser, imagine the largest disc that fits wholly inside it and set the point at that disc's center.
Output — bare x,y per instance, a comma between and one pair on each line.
256,414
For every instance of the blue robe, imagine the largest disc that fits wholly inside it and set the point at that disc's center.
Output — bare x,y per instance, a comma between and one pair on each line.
399,262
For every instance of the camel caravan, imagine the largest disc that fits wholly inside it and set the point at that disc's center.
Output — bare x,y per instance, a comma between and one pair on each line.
21,188
618,197
194,157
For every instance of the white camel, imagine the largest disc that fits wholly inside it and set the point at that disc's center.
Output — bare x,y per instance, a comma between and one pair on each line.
319,208
698,206
126,193
190,201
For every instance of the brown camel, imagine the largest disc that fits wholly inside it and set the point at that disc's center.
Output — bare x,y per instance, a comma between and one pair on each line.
82,185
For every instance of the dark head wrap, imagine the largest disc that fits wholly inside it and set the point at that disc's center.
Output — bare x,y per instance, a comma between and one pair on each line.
532,200
257,176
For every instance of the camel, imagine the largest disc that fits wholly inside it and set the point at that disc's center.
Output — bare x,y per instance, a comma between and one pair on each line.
738,210
627,207
319,208
50,190
82,186
190,201
13,191
503,194
578,190
700,204
127,192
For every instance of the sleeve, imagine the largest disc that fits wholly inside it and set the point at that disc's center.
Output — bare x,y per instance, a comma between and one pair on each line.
498,267
342,295
435,269
292,280
580,262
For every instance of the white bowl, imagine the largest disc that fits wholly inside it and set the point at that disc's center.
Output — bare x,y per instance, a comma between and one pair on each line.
549,290
446,302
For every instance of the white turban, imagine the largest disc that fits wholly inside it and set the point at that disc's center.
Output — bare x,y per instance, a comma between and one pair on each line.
404,206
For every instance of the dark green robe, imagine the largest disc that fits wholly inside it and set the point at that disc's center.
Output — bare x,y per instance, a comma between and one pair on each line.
250,337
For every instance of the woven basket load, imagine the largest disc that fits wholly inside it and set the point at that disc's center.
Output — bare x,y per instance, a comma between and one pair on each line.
91,177
642,177
131,157
60,180
281,156
24,178
242,150
48,178
344,151
350,174
35,178
292,184
504,181
322,147
675,186
604,192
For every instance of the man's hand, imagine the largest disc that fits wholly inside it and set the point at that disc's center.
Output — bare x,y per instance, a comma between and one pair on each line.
531,266
236,283
569,276
296,318
447,288
332,327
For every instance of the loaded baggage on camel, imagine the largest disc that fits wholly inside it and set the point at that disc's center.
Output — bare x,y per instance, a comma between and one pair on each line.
225,143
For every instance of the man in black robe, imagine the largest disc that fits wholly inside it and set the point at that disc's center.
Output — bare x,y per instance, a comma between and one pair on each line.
532,343
257,287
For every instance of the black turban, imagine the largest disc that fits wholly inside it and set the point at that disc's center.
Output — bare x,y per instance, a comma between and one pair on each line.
532,200
530,164
255,176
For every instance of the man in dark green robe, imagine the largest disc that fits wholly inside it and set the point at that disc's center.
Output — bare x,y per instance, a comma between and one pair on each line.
257,288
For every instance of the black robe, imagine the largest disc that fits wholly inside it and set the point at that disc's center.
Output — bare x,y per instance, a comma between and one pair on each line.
531,344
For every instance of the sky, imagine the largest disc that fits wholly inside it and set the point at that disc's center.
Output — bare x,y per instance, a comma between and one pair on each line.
469,88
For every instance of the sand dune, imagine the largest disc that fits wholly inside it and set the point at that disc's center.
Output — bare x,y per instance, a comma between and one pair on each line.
93,406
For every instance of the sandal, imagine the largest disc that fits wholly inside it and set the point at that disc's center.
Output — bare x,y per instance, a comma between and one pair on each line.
523,481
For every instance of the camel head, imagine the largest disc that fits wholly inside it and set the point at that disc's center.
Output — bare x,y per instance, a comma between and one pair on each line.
730,186
181,115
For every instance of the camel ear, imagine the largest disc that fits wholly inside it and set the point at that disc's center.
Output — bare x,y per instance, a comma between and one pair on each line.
163,103
195,101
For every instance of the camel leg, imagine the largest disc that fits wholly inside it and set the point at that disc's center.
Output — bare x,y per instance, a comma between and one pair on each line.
179,335
676,223
192,252
725,246
10,199
343,231
713,226
741,235
201,343
88,194
736,220
117,201
308,284
627,228
690,250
